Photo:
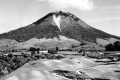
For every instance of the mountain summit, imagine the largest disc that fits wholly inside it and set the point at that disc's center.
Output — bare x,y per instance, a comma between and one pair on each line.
55,24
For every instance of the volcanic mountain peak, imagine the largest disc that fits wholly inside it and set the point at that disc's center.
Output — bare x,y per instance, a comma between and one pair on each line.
70,18
58,13
57,17
65,14
55,24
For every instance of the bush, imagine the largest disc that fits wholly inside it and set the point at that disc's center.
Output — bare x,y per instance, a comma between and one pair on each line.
117,45
110,47
113,47
32,49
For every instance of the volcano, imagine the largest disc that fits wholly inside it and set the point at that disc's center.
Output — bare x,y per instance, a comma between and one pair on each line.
55,24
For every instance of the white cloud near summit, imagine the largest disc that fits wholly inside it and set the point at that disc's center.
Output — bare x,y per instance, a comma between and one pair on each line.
82,5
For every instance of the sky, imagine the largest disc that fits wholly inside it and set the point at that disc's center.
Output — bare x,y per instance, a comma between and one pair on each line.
100,14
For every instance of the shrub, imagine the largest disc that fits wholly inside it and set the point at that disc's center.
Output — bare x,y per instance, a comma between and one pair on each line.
117,45
113,47
110,47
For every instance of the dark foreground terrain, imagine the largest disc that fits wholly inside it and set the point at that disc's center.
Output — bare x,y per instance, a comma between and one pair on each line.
60,66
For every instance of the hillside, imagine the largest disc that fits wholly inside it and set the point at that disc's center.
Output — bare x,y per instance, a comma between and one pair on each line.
55,24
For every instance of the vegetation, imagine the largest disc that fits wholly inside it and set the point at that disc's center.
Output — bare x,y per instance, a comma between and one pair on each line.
10,62
53,51
34,49
75,76
113,47
72,75
75,29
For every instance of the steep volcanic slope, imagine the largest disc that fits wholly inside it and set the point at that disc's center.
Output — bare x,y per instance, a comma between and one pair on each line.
55,24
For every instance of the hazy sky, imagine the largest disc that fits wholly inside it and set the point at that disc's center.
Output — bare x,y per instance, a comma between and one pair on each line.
100,14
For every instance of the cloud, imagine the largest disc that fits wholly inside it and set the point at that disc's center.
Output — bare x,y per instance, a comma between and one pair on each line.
82,5
111,7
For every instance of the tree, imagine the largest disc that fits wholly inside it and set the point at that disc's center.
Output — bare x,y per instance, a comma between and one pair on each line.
13,50
10,55
83,43
110,47
57,49
117,45
52,51
32,49
38,49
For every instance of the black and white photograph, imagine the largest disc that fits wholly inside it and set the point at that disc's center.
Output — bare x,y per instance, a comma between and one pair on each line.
59,39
